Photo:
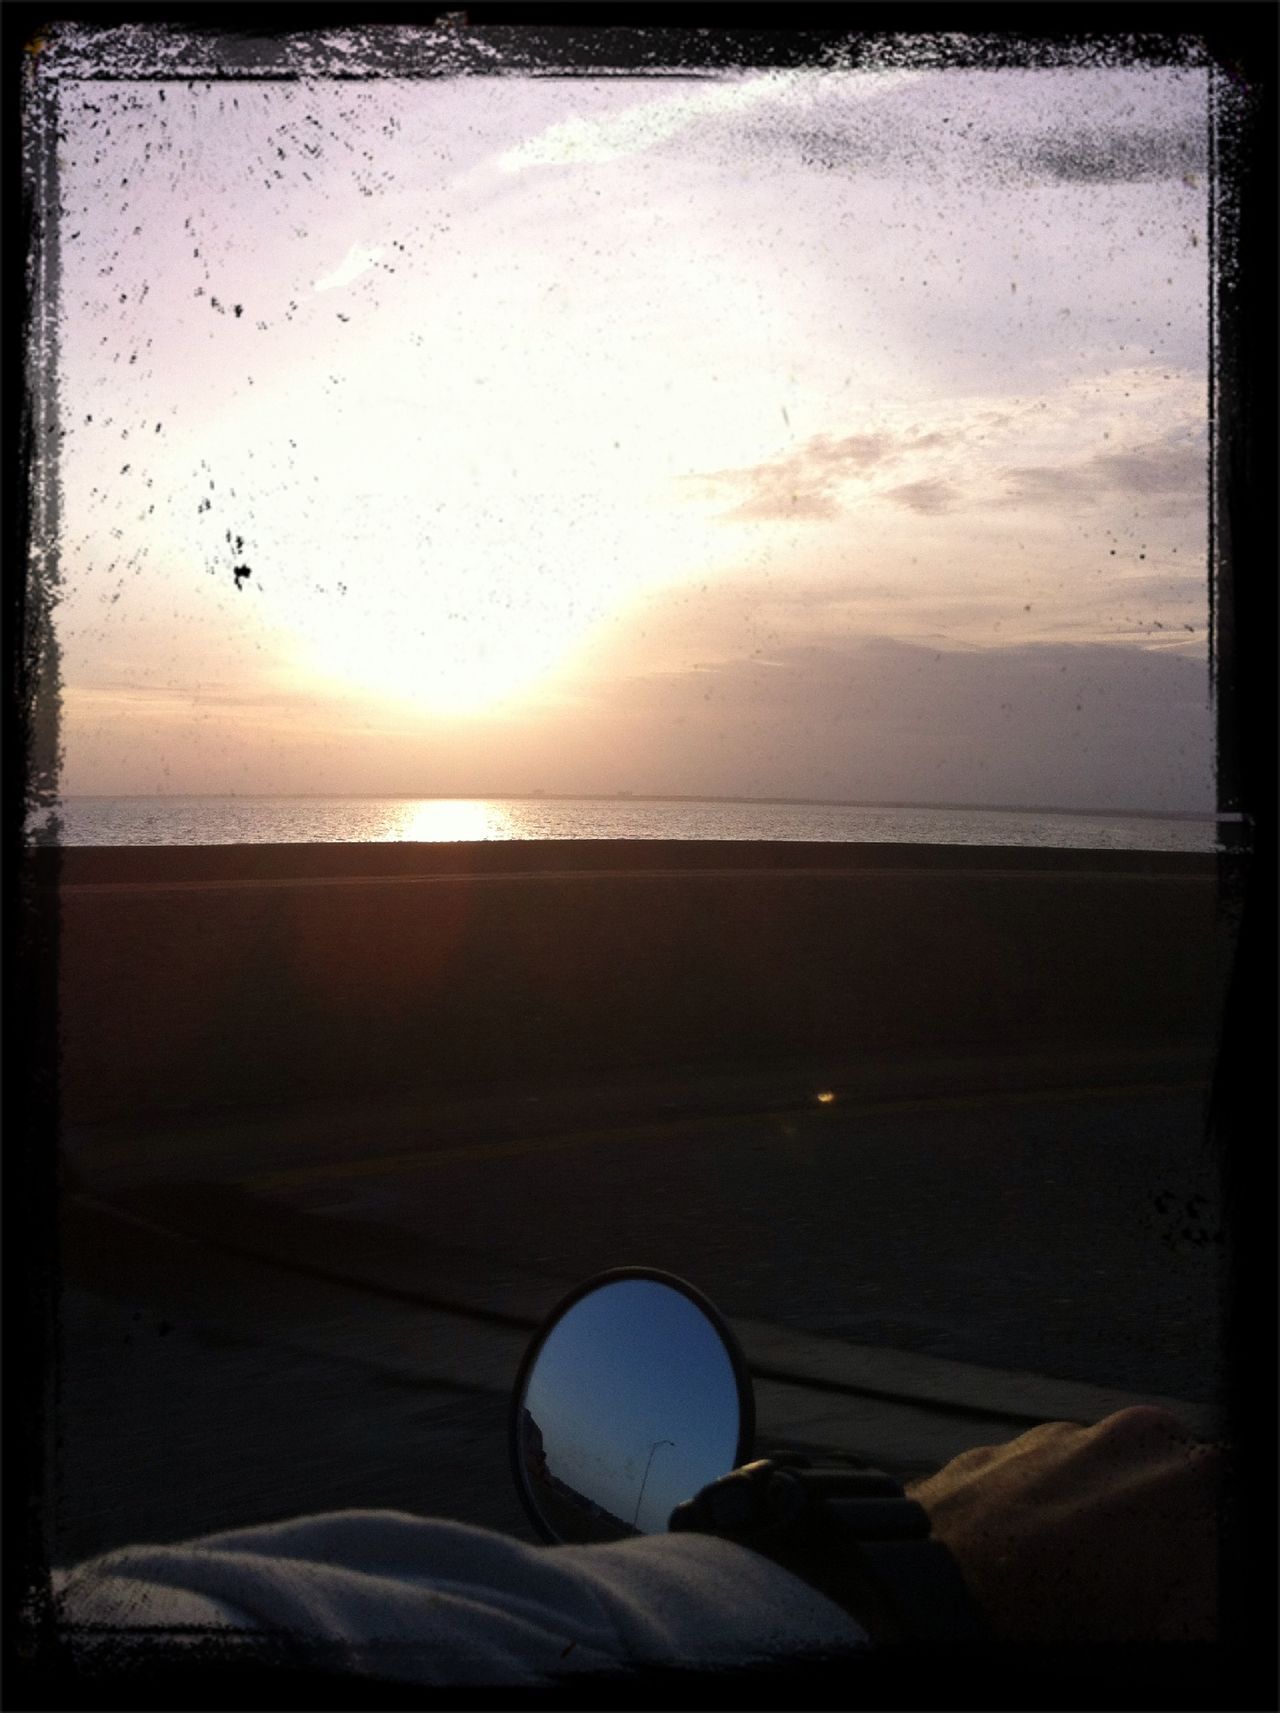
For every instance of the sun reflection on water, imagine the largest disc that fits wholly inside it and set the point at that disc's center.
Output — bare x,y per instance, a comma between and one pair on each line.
439,820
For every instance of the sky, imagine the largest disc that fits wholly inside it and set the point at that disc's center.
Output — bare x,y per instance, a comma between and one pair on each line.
835,434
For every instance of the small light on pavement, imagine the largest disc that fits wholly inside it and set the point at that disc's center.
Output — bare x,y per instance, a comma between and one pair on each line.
826,1098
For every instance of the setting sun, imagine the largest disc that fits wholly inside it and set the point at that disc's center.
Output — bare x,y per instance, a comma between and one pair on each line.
440,666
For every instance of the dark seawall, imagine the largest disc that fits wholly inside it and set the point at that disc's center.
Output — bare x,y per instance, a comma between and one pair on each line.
219,975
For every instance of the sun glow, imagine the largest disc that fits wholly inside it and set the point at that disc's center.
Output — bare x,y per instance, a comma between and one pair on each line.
442,667
479,609
453,821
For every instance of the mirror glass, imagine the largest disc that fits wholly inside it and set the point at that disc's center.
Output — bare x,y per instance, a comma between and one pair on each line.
631,1404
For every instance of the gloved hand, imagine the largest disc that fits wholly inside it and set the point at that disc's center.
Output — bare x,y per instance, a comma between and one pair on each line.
1086,1534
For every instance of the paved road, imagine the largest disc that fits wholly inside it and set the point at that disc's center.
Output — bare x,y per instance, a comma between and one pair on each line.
1076,1235
1068,1235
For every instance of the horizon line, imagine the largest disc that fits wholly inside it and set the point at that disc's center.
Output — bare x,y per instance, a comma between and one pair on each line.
642,797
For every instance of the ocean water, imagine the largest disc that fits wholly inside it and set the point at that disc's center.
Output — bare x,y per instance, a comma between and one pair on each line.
173,820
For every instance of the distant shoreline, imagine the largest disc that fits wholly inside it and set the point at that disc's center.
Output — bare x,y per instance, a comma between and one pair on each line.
629,797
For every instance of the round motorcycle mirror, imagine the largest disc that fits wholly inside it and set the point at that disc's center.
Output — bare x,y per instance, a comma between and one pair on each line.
632,1396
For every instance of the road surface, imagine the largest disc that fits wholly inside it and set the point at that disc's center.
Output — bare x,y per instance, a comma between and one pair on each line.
254,1326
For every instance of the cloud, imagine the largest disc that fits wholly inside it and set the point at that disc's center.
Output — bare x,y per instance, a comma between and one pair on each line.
643,125
648,124
1115,156
356,262
803,484
1156,470
781,504
1066,127
1113,436
108,696
854,452
1050,484
1183,585
927,497
1075,725
1178,472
